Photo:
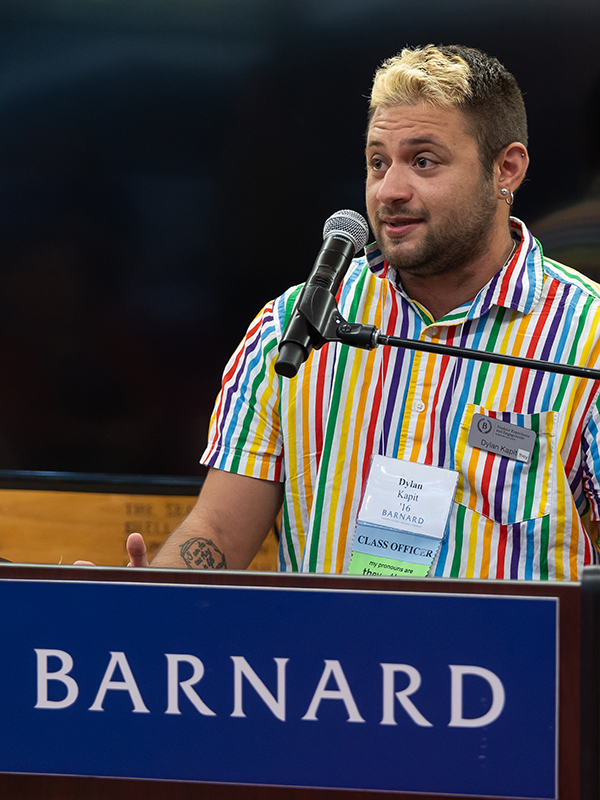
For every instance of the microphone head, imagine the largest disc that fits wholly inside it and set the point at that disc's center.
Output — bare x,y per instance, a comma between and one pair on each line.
349,224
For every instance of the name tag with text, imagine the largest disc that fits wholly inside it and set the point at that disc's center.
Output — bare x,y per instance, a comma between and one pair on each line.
402,518
502,438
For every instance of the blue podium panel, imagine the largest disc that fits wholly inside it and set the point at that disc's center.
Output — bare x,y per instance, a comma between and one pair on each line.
394,691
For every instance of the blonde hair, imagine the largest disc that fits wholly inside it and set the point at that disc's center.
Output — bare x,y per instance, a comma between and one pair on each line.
422,74
461,77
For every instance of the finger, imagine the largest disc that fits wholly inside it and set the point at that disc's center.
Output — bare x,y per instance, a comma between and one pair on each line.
84,563
136,549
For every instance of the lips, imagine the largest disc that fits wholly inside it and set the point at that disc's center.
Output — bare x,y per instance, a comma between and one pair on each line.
397,227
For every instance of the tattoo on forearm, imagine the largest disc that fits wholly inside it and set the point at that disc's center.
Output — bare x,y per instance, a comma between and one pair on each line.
202,554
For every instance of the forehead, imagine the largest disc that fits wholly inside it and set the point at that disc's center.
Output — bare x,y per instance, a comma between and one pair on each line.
420,122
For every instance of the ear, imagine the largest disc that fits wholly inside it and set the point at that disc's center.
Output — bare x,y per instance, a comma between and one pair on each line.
511,166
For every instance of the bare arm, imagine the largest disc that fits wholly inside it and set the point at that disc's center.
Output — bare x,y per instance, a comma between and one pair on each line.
224,530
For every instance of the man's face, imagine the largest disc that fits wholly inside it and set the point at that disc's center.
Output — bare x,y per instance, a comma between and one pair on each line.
430,206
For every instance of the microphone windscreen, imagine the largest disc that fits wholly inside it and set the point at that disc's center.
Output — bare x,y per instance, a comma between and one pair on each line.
349,224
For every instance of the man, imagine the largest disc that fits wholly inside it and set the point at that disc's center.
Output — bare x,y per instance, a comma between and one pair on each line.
446,151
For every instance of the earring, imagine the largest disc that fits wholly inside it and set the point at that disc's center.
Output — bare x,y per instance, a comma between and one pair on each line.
505,193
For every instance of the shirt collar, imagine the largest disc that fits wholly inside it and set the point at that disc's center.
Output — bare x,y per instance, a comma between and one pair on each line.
518,285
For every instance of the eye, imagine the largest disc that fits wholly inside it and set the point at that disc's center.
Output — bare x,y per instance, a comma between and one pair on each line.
422,162
376,163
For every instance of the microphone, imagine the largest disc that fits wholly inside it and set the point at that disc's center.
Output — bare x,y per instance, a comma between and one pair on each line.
344,234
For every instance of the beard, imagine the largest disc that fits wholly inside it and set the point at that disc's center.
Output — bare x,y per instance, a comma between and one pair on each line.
457,239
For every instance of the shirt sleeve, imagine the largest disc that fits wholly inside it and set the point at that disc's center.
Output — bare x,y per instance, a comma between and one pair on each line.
591,462
244,434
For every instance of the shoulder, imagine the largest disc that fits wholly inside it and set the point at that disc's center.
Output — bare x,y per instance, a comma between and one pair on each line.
571,277
355,281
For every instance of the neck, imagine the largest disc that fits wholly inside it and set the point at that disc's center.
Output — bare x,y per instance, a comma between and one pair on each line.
440,294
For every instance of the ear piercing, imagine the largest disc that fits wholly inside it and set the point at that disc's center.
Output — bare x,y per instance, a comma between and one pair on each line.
505,194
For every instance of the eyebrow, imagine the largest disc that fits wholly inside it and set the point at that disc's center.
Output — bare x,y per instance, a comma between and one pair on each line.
414,140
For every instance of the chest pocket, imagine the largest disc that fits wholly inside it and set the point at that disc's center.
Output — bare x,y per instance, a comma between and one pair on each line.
504,489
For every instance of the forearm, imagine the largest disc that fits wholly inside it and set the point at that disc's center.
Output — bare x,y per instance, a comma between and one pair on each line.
194,545
226,527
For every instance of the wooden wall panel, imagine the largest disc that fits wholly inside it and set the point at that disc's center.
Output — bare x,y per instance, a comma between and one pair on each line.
59,527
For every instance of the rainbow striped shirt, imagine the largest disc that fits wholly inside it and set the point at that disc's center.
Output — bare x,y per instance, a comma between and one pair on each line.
318,431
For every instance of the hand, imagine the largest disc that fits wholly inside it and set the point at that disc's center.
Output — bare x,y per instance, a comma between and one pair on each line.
136,548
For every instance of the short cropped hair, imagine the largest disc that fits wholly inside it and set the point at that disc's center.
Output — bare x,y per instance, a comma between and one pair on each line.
461,77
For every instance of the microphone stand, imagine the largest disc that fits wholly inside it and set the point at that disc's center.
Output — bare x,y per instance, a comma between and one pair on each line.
326,324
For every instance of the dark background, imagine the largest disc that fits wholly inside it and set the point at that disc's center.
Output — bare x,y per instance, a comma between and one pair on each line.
166,167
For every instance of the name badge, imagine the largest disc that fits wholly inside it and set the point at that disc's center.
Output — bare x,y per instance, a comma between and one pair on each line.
502,438
402,518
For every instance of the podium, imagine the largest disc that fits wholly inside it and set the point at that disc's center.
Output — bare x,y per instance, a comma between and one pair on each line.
128,683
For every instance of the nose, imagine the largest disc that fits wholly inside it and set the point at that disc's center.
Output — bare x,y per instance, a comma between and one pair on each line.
394,187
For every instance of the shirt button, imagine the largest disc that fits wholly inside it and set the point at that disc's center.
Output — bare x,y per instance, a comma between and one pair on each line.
418,406
434,331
